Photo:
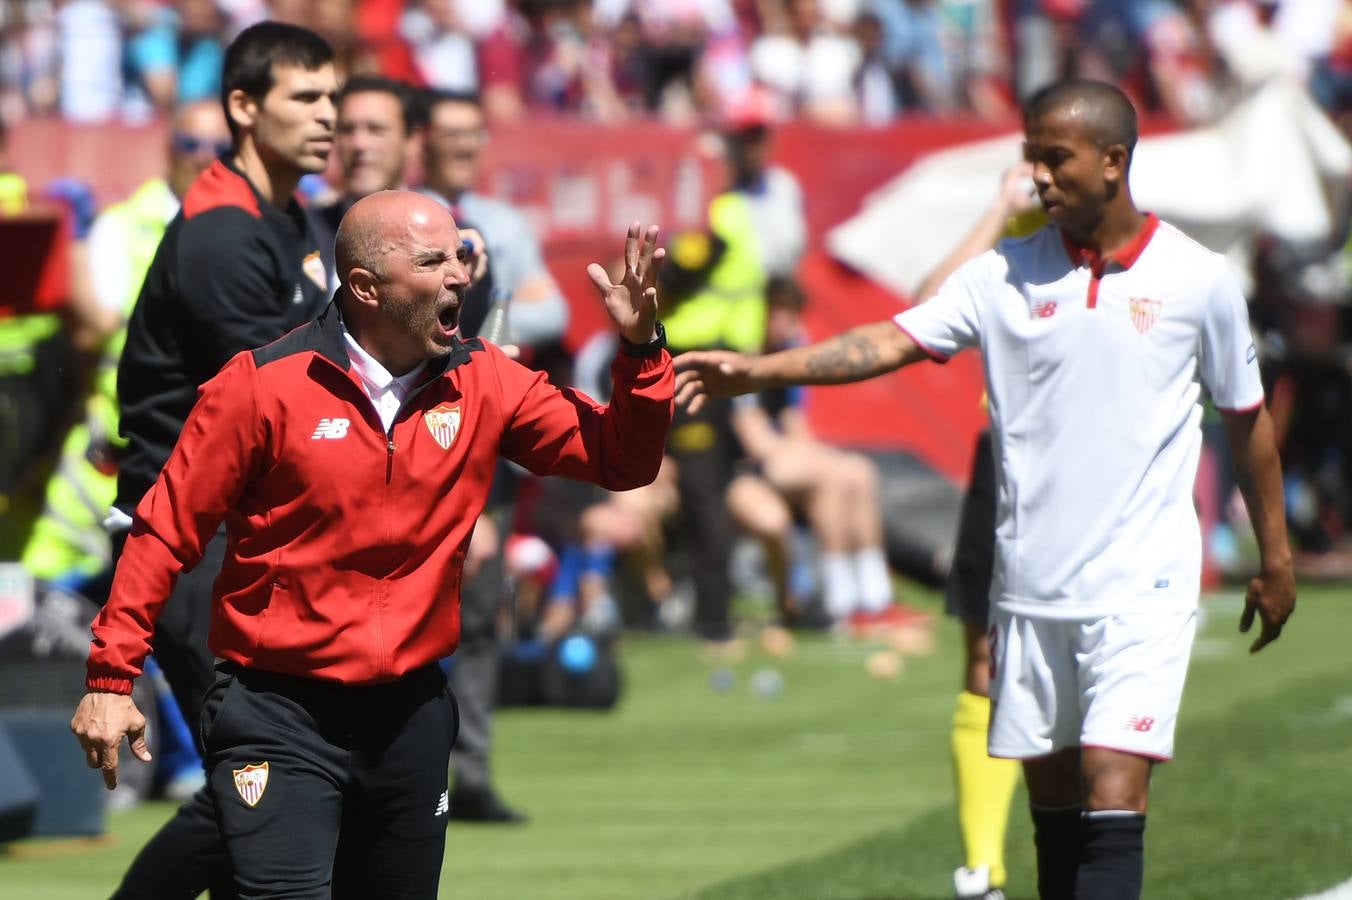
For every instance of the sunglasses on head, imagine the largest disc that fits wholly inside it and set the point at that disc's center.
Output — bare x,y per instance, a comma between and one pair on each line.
192,144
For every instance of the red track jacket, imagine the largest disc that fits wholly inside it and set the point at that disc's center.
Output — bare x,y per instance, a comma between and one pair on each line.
346,543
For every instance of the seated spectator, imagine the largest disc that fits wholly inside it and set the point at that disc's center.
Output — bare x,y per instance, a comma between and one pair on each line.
914,38
786,472
442,50
175,55
596,536
809,65
90,52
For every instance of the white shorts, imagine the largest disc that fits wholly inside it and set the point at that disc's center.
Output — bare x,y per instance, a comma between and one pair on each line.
1112,682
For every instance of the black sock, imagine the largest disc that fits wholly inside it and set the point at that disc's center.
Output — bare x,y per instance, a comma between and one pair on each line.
1112,863
1057,835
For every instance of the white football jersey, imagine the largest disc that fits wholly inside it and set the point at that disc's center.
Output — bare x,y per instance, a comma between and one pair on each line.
1095,369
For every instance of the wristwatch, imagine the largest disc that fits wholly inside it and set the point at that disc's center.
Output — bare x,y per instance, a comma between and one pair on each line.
652,348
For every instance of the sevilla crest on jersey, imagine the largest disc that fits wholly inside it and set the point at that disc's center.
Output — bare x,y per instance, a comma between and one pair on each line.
1144,313
443,421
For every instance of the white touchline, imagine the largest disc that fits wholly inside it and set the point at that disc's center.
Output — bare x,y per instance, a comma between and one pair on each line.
1337,892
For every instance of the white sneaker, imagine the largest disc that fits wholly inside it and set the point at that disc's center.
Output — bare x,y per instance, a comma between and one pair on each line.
975,884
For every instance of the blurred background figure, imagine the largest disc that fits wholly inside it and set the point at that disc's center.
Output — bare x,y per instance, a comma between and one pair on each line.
69,545
377,135
786,473
454,145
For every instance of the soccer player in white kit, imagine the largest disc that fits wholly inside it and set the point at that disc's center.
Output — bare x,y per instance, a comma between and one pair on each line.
1099,335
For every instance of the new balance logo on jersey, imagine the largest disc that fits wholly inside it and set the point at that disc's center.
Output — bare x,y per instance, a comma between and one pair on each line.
443,804
1043,309
1140,723
330,429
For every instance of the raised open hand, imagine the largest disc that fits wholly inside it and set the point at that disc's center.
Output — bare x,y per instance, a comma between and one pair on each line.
632,304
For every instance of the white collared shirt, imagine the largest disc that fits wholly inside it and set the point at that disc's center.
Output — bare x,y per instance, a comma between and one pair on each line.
1096,375
387,392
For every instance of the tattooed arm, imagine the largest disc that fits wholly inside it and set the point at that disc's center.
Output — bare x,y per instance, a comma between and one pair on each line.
858,354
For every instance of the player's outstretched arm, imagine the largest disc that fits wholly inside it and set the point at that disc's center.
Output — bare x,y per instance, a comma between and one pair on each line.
1272,594
856,355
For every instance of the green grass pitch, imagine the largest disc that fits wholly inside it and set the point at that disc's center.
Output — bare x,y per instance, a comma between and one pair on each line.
840,786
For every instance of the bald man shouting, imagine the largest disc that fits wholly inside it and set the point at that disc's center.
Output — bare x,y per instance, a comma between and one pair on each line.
349,461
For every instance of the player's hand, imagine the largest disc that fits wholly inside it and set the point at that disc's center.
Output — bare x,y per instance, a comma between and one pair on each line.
477,263
101,721
632,304
1017,193
711,373
1272,597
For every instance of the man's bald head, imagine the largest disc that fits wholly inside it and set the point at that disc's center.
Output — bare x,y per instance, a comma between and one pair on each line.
377,224
1103,113
402,266
199,136
201,116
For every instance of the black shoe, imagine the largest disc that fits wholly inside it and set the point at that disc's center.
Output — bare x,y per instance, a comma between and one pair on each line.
483,805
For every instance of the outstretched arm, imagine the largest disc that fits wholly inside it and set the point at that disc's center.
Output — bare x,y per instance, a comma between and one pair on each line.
856,355
1271,595
617,445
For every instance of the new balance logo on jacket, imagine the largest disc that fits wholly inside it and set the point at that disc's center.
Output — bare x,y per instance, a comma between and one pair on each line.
330,429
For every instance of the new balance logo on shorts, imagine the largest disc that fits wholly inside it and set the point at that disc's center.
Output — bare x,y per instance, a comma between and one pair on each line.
443,804
330,429
1140,723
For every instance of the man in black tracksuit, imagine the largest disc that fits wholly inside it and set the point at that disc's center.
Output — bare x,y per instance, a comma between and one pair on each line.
237,268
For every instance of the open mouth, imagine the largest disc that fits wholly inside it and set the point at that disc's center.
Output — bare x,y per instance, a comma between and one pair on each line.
449,317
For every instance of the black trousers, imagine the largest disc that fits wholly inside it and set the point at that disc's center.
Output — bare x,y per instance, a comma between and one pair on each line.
701,446
186,856
328,790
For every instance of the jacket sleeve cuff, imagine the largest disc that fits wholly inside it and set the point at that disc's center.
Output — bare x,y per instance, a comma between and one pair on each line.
108,684
652,348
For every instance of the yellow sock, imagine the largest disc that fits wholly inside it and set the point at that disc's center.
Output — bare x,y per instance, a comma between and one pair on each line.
985,787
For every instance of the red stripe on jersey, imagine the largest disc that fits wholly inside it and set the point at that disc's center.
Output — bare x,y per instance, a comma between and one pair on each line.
1124,256
220,186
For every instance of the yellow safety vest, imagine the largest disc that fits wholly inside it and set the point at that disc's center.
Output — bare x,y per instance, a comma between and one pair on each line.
68,538
730,309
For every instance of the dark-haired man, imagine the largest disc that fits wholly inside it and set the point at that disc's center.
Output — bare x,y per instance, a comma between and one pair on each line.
1098,334
453,156
238,267
377,130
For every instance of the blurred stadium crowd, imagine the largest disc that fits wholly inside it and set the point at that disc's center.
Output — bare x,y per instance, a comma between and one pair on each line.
809,510
836,61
